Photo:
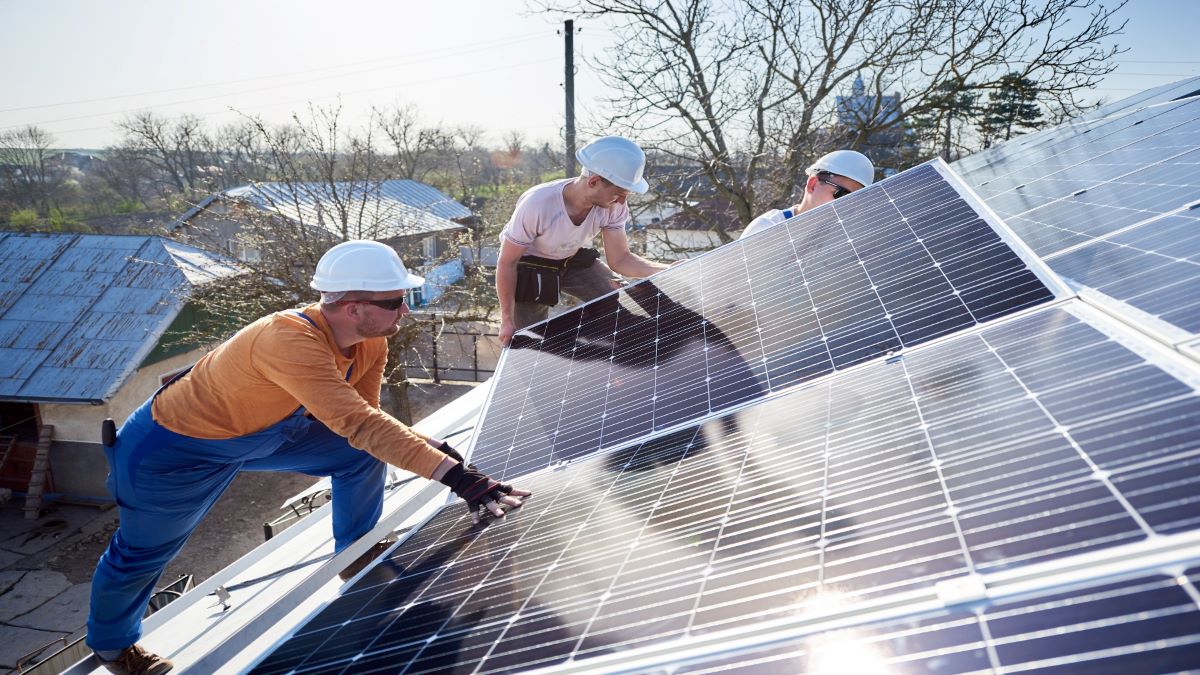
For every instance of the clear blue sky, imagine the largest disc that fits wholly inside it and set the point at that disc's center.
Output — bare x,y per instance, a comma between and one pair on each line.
73,67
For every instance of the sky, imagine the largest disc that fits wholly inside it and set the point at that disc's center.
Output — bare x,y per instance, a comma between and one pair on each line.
76,67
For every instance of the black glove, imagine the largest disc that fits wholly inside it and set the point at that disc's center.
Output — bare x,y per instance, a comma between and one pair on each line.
473,487
450,452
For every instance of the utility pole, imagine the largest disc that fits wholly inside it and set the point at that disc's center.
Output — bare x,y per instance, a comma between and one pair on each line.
569,86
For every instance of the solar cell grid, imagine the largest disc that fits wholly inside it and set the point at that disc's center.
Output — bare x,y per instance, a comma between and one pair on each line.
961,456
1109,203
891,266
1145,625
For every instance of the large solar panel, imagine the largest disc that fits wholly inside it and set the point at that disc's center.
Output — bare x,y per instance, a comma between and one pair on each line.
1042,437
895,265
810,450
1110,202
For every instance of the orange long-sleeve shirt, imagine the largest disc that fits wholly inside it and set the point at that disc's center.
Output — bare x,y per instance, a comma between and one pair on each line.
280,362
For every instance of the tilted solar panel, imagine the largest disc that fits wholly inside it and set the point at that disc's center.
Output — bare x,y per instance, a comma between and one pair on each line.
1042,437
888,267
853,441
1111,203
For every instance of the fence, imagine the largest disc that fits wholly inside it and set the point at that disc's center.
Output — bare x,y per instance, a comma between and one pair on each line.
462,351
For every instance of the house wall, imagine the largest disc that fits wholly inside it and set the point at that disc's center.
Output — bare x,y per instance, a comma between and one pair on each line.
213,228
77,458
662,244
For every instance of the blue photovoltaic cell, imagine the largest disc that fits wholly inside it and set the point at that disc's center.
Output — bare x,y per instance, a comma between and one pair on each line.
1031,440
1109,200
1147,625
889,267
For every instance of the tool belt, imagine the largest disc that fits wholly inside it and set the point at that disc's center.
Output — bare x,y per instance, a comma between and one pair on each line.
540,279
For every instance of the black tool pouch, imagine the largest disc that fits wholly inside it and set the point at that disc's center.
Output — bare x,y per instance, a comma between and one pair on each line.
537,283
583,259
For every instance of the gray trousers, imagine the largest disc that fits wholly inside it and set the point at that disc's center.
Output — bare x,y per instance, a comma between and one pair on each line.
582,284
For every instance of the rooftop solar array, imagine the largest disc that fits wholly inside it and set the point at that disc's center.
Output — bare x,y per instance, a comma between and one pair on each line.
1012,445
902,263
1110,202
882,436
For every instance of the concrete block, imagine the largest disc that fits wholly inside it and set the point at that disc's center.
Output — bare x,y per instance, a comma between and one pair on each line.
65,612
34,589
15,642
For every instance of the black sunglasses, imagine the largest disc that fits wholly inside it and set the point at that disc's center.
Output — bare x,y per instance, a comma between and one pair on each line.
392,304
838,190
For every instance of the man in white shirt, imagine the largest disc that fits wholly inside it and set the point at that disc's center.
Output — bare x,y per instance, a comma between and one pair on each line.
837,174
544,246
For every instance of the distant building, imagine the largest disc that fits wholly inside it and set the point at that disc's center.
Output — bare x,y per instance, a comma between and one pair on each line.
679,233
418,220
879,119
81,319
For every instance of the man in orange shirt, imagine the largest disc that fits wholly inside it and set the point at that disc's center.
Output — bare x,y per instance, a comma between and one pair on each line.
294,391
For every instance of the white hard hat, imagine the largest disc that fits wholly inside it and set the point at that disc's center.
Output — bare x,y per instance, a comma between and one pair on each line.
617,159
848,163
362,265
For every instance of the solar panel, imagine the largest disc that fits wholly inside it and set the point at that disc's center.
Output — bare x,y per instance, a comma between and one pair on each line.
891,266
867,438
1007,446
1110,202
1148,624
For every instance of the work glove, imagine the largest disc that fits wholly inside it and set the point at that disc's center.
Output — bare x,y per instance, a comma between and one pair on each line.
450,452
475,488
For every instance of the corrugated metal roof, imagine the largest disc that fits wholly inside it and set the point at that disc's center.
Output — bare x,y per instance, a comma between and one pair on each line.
79,312
392,208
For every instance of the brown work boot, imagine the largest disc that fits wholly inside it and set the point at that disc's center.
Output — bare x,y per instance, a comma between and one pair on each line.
364,560
137,661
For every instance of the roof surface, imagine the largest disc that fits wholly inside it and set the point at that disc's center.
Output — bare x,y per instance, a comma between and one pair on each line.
79,312
392,208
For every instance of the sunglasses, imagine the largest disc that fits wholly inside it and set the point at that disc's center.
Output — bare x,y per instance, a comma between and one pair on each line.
838,190
391,305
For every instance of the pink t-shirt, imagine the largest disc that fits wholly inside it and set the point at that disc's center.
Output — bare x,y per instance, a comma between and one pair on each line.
541,224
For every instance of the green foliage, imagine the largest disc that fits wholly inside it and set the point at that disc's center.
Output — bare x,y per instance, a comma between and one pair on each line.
24,219
127,206
1012,107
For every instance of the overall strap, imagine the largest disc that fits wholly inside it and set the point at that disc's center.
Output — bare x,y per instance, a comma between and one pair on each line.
307,318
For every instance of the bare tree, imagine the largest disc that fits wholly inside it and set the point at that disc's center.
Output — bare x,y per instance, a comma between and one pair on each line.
415,146
736,98
28,173
180,151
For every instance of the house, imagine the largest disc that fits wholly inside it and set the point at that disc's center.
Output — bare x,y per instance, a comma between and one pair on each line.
418,220
81,318
684,233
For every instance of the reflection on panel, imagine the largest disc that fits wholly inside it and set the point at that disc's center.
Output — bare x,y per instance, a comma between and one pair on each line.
1109,200
1148,625
888,267
1032,440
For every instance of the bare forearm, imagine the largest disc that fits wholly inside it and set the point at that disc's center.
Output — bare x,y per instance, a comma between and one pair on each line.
506,288
634,265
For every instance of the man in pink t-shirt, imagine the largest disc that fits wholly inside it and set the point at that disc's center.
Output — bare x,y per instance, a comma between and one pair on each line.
545,247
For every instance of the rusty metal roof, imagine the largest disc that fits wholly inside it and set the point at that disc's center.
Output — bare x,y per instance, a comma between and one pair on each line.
79,312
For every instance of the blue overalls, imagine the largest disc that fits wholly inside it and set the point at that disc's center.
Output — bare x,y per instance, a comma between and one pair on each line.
164,483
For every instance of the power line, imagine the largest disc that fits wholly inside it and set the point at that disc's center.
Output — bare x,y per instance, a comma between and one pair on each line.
248,91
309,99
429,55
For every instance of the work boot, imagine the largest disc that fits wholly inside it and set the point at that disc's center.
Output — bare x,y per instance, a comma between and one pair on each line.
137,661
364,560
